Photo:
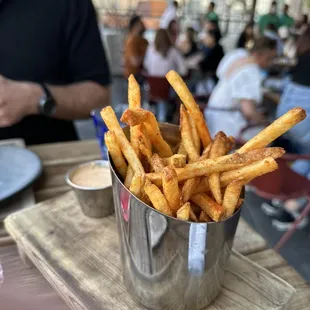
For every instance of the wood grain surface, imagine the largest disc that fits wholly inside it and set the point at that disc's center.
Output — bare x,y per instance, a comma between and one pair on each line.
80,257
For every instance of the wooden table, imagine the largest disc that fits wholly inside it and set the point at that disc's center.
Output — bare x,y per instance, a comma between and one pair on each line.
27,289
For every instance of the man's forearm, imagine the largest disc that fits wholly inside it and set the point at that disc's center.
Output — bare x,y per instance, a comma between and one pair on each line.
75,101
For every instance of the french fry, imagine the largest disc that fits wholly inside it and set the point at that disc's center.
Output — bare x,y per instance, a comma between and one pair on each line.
129,177
249,172
181,149
171,188
137,184
218,149
192,215
134,117
134,94
195,135
157,198
116,153
145,148
275,130
186,135
209,206
204,218
189,188
231,196
176,161
186,97
134,100
184,212
110,120
157,163
139,116
206,151
239,203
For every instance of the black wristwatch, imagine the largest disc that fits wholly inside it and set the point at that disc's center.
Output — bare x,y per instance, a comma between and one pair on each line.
47,103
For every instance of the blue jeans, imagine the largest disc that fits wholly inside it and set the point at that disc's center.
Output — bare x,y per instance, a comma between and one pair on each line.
296,95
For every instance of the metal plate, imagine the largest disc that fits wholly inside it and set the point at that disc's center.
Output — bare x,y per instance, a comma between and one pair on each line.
19,167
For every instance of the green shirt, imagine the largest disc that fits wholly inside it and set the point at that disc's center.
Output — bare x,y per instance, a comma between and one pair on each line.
267,19
212,16
287,20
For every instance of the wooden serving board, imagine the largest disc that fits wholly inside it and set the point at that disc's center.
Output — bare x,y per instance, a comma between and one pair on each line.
80,257
19,201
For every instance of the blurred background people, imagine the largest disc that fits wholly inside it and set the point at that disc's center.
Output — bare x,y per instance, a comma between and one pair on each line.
269,19
233,103
134,48
285,19
189,46
246,38
271,32
173,31
211,15
169,14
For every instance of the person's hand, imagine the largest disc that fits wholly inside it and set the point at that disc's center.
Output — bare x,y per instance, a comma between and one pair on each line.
17,100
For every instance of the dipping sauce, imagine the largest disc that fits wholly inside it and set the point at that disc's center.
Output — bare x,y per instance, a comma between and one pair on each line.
92,175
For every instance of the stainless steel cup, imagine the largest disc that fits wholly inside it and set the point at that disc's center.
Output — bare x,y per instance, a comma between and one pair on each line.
168,263
95,202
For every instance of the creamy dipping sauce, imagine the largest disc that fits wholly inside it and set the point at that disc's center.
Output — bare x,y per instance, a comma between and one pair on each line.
92,175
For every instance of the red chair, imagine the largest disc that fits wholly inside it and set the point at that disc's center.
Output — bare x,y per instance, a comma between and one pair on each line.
159,88
282,184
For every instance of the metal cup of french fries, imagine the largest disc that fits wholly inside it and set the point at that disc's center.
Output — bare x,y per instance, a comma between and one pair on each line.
178,195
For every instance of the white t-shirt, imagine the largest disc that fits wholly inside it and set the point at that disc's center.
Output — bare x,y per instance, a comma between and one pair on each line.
169,14
157,65
242,83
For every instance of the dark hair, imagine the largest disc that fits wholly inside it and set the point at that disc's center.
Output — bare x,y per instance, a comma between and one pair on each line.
191,31
175,4
212,4
215,35
133,21
272,27
303,42
305,18
263,44
170,26
274,3
286,7
162,42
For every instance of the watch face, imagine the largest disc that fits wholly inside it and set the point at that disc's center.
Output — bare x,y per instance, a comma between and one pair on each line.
48,106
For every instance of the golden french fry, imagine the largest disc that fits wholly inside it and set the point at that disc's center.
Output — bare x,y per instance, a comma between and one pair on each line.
209,206
110,120
134,94
134,100
218,149
206,151
137,184
249,172
189,188
171,188
181,149
116,153
195,135
134,117
204,218
203,186
275,130
157,163
186,97
192,215
146,138
176,161
129,177
231,196
157,198
239,203
186,135
184,212
144,148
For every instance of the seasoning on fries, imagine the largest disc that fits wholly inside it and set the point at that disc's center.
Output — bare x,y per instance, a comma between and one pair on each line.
201,182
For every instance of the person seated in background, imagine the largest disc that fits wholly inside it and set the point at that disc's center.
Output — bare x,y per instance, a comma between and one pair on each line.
302,24
233,102
272,32
169,14
173,31
270,18
211,15
210,25
189,46
134,48
213,53
285,19
246,39
296,93
160,58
